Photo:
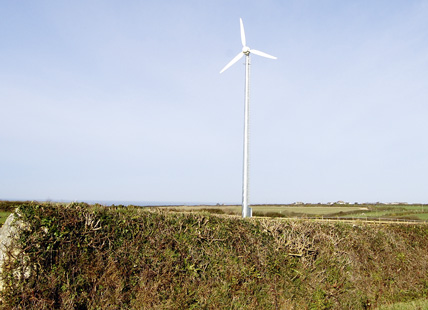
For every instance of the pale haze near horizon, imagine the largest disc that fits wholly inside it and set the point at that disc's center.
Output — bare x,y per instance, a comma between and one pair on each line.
107,100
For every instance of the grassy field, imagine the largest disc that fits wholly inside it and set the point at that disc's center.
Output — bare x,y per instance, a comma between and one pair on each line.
6,208
314,210
358,211
423,216
412,305
280,209
416,212
3,217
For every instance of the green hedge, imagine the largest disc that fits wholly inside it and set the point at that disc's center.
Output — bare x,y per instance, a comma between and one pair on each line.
78,256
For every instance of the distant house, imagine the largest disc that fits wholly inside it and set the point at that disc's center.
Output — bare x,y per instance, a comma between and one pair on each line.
340,202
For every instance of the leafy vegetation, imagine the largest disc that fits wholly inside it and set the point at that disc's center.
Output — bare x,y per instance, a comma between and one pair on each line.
78,256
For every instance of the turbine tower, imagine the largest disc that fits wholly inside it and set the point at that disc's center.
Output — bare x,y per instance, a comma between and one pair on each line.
246,210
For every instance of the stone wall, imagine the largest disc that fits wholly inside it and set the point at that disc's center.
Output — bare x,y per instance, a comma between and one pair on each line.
8,233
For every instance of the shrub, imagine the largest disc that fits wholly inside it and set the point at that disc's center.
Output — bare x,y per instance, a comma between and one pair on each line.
93,257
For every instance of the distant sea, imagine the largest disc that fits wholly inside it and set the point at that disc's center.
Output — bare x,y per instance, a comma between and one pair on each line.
134,203
147,203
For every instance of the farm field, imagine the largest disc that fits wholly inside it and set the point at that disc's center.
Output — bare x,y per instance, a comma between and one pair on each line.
357,211
3,217
423,216
280,209
411,305
6,208
378,211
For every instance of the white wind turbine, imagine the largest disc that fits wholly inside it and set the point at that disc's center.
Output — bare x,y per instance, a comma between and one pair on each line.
246,210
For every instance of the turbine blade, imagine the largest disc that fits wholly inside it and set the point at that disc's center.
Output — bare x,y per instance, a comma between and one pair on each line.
243,41
237,57
262,54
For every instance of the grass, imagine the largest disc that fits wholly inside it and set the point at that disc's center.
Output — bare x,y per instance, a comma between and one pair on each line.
3,217
411,305
6,208
422,216
414,207
306,210
362,211
369,211
371,214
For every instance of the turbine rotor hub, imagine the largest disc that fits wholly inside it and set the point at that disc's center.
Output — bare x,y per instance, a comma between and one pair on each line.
246,50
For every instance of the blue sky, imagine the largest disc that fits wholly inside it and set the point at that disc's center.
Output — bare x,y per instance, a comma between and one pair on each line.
109,100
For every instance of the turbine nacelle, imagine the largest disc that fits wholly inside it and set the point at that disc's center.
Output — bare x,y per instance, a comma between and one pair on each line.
245,50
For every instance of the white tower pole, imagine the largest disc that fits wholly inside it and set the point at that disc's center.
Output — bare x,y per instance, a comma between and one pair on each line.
246,211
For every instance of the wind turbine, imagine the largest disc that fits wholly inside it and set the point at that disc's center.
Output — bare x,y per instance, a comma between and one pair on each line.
246,210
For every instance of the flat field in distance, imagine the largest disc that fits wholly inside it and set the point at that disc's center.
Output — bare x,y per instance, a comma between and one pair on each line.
3,217
6,208
377,211
364,211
